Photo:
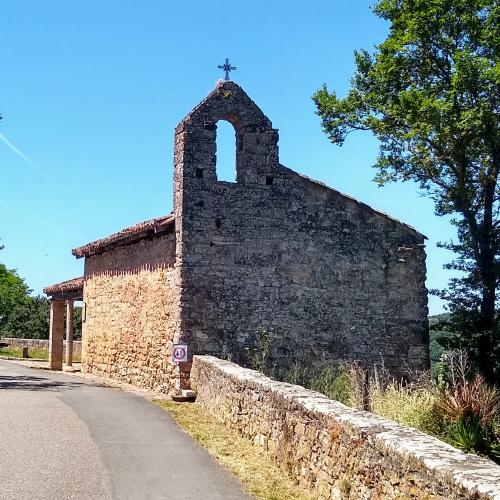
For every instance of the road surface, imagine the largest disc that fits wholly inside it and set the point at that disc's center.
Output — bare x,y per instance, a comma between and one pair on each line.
63,437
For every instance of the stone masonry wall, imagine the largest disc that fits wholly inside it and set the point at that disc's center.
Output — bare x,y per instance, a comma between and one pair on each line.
326,276
335,451
42,344
131,302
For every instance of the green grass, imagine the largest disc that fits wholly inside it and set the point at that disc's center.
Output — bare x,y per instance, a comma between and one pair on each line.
251,464
16,352
10,352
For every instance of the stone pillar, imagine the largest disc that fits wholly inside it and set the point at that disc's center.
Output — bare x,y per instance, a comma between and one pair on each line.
69,332
56,334
83,352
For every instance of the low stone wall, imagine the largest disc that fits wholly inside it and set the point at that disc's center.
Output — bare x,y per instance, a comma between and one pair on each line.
335,451
40,344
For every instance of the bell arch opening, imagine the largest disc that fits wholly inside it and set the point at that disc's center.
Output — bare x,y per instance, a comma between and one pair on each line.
225,151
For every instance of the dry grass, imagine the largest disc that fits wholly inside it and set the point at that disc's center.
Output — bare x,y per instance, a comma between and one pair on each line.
255,469
409,406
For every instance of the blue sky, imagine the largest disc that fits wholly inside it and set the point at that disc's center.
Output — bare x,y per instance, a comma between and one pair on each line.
91,92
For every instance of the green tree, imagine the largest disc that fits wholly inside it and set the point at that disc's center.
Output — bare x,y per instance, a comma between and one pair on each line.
77,323
29,318
22,315
13,291
430,93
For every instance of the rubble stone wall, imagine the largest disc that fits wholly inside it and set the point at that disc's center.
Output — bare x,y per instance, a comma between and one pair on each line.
131,299
327,277
335,451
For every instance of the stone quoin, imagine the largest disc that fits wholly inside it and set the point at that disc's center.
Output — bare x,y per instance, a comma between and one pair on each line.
324,276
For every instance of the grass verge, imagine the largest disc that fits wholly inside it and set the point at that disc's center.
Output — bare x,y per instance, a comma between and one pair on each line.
261,476
16,352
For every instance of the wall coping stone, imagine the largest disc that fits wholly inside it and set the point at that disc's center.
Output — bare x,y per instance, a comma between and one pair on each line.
474,474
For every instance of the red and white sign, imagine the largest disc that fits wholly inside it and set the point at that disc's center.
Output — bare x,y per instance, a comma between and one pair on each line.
179,353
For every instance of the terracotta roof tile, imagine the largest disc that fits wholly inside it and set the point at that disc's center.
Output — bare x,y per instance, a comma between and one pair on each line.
127,235
73,285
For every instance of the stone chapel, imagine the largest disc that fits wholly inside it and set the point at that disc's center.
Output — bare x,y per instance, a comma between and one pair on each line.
323,276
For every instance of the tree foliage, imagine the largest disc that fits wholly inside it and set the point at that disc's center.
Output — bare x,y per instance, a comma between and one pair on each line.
13,291
23,315
29,318
430,93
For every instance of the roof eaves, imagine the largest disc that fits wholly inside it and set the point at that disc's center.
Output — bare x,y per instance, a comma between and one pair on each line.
72,285
133,233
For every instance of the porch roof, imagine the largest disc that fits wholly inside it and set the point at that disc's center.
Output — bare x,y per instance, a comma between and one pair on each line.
70,289
125,236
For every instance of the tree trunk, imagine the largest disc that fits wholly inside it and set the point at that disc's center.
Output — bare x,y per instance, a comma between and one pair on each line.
488,296
487,319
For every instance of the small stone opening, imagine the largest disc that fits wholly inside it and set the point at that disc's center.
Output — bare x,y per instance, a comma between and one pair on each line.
225,160
269,180
218,223
199,173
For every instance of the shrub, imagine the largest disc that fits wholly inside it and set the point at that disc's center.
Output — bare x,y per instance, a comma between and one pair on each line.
335,383
459,407
259,353
471,406
298,374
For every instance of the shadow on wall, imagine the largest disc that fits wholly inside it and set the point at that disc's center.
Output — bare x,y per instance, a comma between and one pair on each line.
125,271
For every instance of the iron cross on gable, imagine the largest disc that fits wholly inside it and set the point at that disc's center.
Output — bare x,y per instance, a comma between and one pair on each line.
227,68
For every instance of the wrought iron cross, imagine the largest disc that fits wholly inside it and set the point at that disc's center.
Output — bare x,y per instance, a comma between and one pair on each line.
227,68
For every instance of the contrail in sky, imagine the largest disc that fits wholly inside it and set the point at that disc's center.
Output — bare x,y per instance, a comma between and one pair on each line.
18,151
39,221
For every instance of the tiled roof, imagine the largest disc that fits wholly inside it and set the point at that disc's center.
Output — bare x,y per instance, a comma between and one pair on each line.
127,235
69,286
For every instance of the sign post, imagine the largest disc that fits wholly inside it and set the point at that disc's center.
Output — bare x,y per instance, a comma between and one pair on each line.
179,353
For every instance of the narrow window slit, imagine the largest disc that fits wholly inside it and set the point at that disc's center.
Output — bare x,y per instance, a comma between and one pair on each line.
225,161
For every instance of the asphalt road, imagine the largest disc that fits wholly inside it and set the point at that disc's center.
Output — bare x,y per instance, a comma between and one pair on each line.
62,437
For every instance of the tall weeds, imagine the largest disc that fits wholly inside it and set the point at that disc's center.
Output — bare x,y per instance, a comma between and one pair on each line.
471,407
336,383
460,408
